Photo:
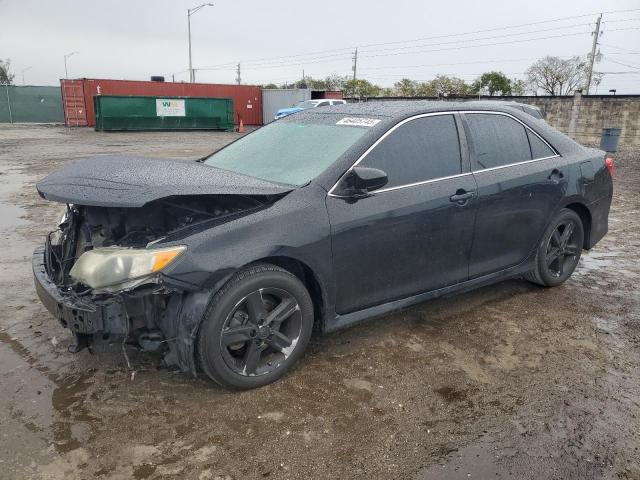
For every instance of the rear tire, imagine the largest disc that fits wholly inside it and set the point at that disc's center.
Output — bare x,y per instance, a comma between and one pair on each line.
559,250
255,328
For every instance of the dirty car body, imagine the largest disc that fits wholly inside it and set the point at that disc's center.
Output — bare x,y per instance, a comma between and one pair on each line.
353,219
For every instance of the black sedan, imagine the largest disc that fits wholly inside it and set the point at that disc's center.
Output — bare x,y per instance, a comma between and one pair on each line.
317,221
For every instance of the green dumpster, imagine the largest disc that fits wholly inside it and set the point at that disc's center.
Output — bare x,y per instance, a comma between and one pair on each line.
121,112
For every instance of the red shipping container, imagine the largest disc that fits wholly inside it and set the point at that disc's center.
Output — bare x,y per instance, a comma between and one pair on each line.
77,96
334,94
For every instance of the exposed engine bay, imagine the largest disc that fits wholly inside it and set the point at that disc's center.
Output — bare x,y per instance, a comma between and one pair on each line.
140,312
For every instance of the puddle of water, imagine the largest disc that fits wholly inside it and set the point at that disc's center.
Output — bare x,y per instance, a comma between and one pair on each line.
11,217
608,325
592,261
480,460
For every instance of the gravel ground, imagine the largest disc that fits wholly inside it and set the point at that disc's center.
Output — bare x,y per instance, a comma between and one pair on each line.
508,381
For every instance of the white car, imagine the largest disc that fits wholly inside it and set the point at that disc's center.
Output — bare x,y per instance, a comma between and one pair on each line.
323,102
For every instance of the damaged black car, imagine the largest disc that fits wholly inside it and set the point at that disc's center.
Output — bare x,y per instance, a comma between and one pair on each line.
318,221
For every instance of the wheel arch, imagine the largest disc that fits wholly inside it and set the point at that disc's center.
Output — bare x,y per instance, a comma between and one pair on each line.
308,277
585,216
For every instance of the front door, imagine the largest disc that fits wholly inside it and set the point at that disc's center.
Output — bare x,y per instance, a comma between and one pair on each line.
414,234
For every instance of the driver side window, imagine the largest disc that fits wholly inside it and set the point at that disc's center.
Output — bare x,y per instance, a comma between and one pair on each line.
423,149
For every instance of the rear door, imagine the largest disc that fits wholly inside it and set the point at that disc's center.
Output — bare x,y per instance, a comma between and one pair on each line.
520,183
414,234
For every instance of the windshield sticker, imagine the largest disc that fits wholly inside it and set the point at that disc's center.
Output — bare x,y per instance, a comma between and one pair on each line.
358,122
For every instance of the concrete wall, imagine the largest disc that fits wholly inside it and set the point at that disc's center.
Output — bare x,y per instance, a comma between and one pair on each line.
581,117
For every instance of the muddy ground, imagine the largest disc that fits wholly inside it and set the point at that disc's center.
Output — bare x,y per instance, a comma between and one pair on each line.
509,381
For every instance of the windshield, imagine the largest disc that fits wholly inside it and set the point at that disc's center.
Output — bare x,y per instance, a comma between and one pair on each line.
284,152
306,104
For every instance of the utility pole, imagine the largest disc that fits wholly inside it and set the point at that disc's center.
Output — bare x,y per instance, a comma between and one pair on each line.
596,35
355,63
304,84
191,11
66,73
238,77
24,70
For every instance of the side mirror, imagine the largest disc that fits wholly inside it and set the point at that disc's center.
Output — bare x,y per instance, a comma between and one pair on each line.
362,180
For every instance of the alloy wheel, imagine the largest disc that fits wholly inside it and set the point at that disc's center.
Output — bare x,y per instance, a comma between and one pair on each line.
562,249
261,331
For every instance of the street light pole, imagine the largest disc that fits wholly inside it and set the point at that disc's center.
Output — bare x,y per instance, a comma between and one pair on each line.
24,70
191,11
66,72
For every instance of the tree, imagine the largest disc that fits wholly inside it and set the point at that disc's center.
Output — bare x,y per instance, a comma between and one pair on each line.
497,83
360,88
270,86
6,78
518,87
555,76
335,82
445,86
441,86
406,88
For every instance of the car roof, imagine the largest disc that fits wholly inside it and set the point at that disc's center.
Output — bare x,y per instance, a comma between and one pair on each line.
505,102
396,109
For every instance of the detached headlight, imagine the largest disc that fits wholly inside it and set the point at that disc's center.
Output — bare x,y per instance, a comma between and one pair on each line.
115,268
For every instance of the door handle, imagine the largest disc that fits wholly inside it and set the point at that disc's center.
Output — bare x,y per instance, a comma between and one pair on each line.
555,175
462,196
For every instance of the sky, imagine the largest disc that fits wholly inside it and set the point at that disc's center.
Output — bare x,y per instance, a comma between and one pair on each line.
276,41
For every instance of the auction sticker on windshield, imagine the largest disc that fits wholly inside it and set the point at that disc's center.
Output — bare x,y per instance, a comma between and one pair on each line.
358,122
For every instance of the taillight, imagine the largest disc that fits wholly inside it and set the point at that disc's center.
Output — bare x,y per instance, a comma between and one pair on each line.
609,163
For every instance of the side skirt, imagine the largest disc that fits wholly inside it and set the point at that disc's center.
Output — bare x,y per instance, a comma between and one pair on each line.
343,321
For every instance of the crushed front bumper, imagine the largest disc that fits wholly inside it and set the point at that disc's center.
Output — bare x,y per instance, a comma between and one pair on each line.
86,316
80,315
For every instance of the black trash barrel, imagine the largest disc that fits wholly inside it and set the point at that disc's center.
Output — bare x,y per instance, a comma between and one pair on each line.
609,139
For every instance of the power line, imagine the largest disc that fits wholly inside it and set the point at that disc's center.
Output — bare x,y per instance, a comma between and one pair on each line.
461,47
624,64
475,62
349,49
478,46
483,38
619,48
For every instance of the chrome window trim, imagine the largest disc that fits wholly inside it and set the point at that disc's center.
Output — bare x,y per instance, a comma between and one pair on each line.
378,141
491,112
514,164
433,114
389,189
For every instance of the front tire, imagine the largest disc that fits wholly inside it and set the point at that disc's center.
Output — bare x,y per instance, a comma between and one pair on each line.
559,251
255,328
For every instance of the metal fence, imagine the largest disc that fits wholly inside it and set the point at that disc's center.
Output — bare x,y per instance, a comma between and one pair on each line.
275,99
30,104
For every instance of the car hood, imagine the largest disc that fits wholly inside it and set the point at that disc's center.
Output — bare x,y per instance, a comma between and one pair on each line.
127,181
289,110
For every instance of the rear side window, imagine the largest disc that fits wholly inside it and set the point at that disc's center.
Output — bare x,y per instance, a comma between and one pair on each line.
535,113
497,140
422,149
539,149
